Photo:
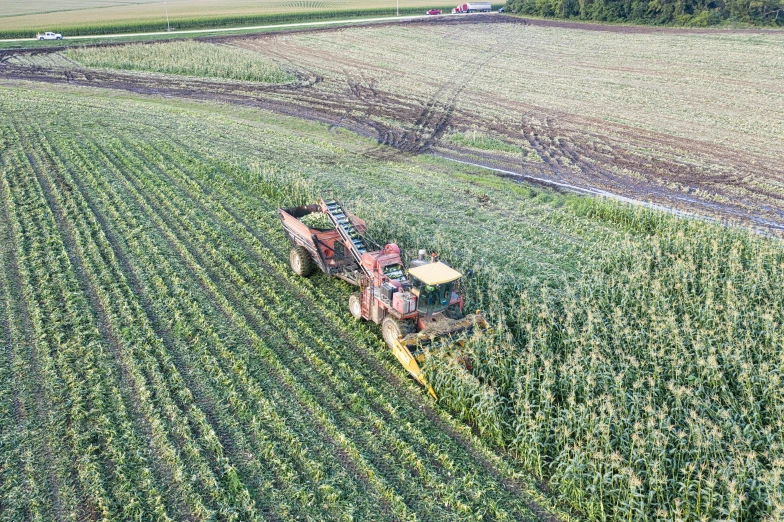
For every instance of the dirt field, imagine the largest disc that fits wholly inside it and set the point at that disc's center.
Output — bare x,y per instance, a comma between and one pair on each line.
689,120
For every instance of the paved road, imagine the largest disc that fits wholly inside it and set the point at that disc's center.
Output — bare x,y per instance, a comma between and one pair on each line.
228,29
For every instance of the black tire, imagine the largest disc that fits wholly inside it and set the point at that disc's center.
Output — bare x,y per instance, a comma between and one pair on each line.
355,305
300,261
454,312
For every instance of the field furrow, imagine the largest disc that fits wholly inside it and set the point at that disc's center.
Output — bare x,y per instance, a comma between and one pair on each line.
246,282
233,442
211,298
25,404
57,315
229,313
197,423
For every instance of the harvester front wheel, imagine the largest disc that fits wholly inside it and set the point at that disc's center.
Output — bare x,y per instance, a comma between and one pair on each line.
355,305
390,330
454,312
300,261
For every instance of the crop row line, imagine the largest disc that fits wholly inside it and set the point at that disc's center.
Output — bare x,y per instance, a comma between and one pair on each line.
155,215
149,376
214,297
48,286
24,400
301,343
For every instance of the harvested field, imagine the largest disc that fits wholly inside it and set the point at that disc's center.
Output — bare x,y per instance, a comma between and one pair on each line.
638,114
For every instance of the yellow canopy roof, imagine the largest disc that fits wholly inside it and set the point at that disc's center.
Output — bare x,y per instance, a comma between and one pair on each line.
435,273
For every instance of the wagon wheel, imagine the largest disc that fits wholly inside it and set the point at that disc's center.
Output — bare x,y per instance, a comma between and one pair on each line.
355,305
300,261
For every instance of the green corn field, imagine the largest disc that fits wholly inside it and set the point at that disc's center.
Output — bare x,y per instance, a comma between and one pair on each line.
186,58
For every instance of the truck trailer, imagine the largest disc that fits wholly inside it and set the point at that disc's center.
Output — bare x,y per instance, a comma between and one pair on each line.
473,7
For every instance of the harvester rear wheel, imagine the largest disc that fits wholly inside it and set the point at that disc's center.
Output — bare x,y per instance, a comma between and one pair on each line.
355,305
300,261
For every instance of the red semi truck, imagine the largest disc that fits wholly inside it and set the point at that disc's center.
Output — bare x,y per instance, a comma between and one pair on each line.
473,7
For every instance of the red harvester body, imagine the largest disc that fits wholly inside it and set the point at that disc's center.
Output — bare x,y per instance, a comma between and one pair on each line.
415,307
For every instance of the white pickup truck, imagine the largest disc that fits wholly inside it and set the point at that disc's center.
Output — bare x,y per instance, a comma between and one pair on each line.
49,36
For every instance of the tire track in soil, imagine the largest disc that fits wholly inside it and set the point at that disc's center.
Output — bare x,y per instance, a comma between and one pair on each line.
362,353
434,120
561,154
18,305
325,107
261,332
104,327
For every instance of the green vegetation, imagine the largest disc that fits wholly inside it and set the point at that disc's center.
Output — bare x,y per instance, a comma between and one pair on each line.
317,220
481,141
75,26
161,361
651,387
188,58
635,364
694,13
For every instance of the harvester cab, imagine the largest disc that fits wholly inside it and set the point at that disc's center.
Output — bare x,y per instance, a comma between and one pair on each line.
433,284
417,308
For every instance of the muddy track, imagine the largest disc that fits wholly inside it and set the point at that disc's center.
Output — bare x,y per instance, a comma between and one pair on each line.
596,160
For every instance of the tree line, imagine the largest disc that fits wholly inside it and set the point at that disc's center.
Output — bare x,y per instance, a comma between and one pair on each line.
699,13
